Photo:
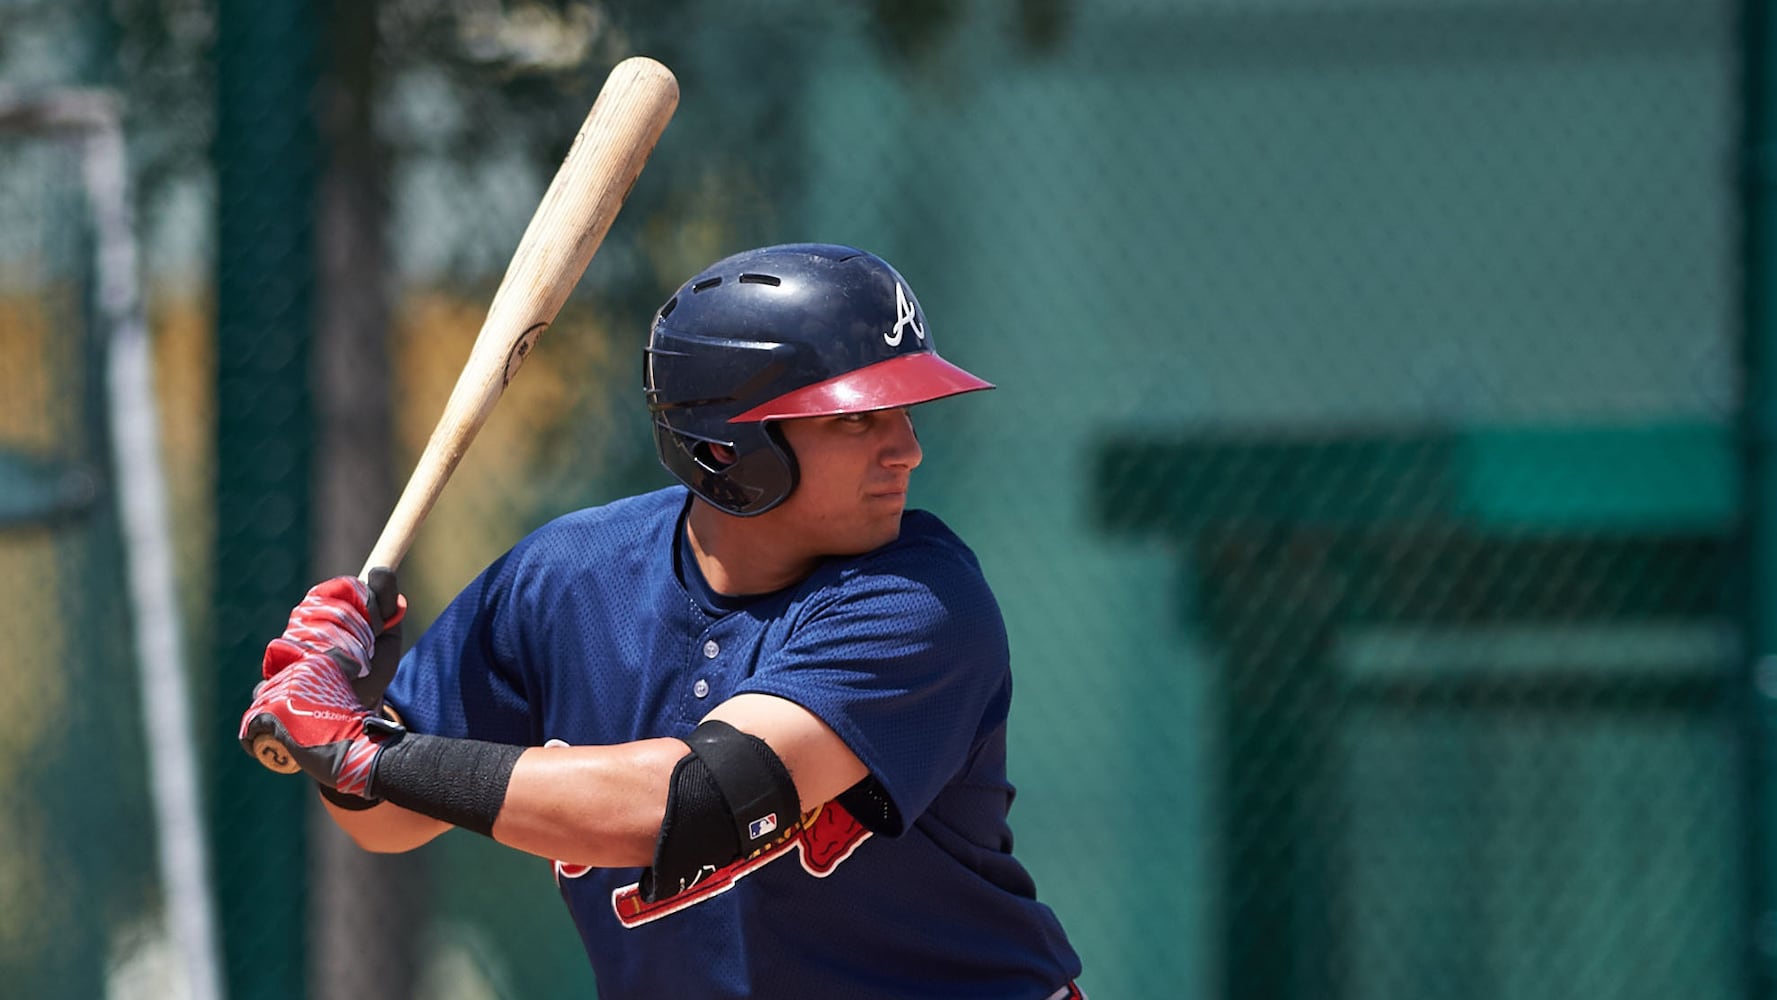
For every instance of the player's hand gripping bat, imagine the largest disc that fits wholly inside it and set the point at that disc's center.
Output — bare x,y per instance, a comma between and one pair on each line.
609,151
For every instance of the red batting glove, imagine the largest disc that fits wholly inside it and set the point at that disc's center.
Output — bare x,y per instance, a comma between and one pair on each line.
324,679
355,623
311,709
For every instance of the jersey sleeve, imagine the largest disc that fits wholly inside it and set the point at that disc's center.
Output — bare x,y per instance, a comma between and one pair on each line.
908,664
462,678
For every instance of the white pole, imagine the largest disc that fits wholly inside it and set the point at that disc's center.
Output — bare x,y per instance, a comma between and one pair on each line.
148,551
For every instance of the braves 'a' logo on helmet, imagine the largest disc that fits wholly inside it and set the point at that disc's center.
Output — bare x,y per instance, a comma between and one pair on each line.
905,316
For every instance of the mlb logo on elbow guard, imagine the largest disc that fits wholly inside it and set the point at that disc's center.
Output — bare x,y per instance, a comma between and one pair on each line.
762,826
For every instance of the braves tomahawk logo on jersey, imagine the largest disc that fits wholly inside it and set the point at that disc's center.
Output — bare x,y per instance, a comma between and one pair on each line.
823,840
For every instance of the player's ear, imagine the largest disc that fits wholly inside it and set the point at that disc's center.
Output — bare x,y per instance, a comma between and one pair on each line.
713,458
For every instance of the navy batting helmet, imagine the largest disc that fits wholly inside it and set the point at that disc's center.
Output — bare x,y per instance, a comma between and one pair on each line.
801,330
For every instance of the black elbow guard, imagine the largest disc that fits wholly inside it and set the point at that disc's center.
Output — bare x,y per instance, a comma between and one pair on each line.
728,797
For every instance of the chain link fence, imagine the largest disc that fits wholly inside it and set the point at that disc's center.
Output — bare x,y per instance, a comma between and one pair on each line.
79,876
1362,487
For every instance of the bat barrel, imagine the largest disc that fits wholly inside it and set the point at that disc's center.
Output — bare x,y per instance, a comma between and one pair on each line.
570,223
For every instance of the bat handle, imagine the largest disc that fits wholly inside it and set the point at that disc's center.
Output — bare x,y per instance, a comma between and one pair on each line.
268,751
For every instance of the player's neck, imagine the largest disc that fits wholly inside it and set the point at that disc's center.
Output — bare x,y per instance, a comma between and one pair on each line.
742,556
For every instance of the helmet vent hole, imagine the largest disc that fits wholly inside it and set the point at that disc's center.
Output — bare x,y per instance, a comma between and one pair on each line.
761,279
706,284
671,304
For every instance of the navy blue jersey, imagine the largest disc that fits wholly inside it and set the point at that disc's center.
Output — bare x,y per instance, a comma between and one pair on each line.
598,629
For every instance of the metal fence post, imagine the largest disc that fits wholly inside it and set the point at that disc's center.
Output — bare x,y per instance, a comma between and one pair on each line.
1758,427
265,155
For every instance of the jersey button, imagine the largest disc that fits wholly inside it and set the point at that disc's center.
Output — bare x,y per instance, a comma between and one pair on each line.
710,649
701,688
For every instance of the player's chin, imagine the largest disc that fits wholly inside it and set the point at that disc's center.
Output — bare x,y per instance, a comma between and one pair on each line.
881,526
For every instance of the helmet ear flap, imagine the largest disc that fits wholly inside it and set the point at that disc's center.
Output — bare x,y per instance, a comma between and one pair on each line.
764,474
792,468
751,476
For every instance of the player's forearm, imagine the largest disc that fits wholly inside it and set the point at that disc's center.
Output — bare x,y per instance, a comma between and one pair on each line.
598,806
594,805
386,828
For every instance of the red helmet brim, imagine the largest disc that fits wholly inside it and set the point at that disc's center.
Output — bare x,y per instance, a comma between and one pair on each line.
903,380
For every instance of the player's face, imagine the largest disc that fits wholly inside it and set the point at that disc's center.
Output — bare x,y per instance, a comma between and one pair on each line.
853,482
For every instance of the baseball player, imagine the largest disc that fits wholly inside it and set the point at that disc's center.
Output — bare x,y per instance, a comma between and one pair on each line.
756,720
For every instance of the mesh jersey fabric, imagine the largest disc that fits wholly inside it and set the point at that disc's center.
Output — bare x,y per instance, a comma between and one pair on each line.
595,630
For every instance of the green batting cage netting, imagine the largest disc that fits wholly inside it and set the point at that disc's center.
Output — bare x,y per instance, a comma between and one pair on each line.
1374,486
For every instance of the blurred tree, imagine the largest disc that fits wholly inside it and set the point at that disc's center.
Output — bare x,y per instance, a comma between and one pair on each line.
361,928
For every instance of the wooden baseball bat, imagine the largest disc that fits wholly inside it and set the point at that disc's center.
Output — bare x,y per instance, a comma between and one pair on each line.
613,144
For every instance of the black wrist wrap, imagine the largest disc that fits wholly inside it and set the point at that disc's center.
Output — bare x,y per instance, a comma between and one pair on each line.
462,782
